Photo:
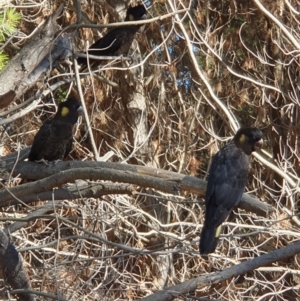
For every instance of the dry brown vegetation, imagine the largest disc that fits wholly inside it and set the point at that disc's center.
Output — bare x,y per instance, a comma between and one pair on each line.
194,78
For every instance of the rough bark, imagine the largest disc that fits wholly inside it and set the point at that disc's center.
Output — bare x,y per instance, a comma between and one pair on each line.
20,74
35,171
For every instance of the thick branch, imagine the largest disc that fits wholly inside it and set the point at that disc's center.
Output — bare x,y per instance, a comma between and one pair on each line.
57,179
34,171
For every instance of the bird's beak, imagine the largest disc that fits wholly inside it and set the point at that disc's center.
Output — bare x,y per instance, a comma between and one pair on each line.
258,145
80,110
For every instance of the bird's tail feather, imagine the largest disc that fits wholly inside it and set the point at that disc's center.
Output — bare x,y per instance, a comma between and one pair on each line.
209,239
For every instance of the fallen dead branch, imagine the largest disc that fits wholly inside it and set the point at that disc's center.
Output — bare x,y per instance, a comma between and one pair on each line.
191,285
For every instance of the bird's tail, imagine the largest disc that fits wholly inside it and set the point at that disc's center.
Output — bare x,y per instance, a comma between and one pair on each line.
209,239
82,62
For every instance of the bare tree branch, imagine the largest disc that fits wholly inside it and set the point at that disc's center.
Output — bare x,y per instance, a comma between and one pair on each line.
38,293
113,172
200,282
92,190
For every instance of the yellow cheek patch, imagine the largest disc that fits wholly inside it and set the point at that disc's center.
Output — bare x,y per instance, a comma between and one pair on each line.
243,138
64,111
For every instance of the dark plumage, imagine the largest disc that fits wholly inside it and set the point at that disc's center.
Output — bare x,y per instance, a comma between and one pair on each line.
118,40
226,183
53,141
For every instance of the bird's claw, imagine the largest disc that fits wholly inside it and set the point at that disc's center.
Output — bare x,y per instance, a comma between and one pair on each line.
56,161
46,162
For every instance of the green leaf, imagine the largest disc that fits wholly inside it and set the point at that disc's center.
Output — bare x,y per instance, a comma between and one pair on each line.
3,59
9,20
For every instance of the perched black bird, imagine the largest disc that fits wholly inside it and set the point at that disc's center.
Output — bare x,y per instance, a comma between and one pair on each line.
226,183
54,139
118,40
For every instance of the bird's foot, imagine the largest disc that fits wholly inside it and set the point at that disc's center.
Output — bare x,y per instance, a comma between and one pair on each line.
55,162
46,162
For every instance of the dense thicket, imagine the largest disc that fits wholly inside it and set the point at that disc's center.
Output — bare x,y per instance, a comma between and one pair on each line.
193,78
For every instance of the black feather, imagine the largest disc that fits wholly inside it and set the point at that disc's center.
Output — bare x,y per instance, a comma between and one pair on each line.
226,183
118,40
53,141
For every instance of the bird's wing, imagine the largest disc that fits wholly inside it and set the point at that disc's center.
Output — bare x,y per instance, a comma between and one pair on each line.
227,181
39,142
109,44
68,148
